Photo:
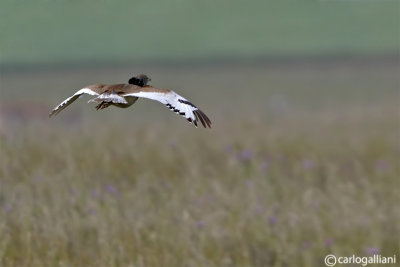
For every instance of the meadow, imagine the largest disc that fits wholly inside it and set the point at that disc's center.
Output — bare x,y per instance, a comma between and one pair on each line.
302,161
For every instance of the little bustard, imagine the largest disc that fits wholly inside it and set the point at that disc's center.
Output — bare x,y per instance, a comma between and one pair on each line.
124,95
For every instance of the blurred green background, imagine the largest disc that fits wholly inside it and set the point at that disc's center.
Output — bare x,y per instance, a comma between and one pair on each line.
137,31
303,159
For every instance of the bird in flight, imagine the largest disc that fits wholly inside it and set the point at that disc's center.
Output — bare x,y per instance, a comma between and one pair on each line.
124,95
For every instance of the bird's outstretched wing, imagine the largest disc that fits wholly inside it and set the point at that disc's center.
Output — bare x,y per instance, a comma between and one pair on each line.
113,98
174,102
71,99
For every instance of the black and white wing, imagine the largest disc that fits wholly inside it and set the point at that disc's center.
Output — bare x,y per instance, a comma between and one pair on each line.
71,99
174,102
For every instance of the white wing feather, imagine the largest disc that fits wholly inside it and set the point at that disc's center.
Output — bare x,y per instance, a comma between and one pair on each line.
71,99
114,98
177,104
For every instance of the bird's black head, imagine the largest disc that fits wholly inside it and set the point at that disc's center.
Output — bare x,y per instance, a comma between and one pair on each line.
139,80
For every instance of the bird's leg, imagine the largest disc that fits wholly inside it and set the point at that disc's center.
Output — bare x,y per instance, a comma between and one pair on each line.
99,106
103,105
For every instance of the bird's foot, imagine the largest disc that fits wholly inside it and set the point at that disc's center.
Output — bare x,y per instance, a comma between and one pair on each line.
102,105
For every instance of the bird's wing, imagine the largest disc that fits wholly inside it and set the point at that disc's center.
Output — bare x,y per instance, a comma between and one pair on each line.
173,101
114,98
71,99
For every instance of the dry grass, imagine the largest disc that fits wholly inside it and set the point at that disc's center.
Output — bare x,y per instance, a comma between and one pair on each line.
281,190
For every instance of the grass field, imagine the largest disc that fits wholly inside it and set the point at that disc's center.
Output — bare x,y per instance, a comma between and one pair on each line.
301,162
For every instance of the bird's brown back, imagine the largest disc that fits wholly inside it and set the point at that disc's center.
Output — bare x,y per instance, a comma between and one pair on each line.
123,88
147,88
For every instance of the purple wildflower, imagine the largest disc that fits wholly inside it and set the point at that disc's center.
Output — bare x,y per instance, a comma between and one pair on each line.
259,209
281,158
203,200
328,242
172,145
246,155
266,163
250,184
91,211
95,193
200,224
7,208
273,219
37,179
381,165
372,250
229,149
315,204
164,184
307,244
72,191
111,189
308,164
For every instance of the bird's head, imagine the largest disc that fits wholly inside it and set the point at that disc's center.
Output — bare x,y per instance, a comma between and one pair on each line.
139,80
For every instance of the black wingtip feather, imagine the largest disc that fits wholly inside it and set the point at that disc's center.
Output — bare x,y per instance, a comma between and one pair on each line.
200,117
205,118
